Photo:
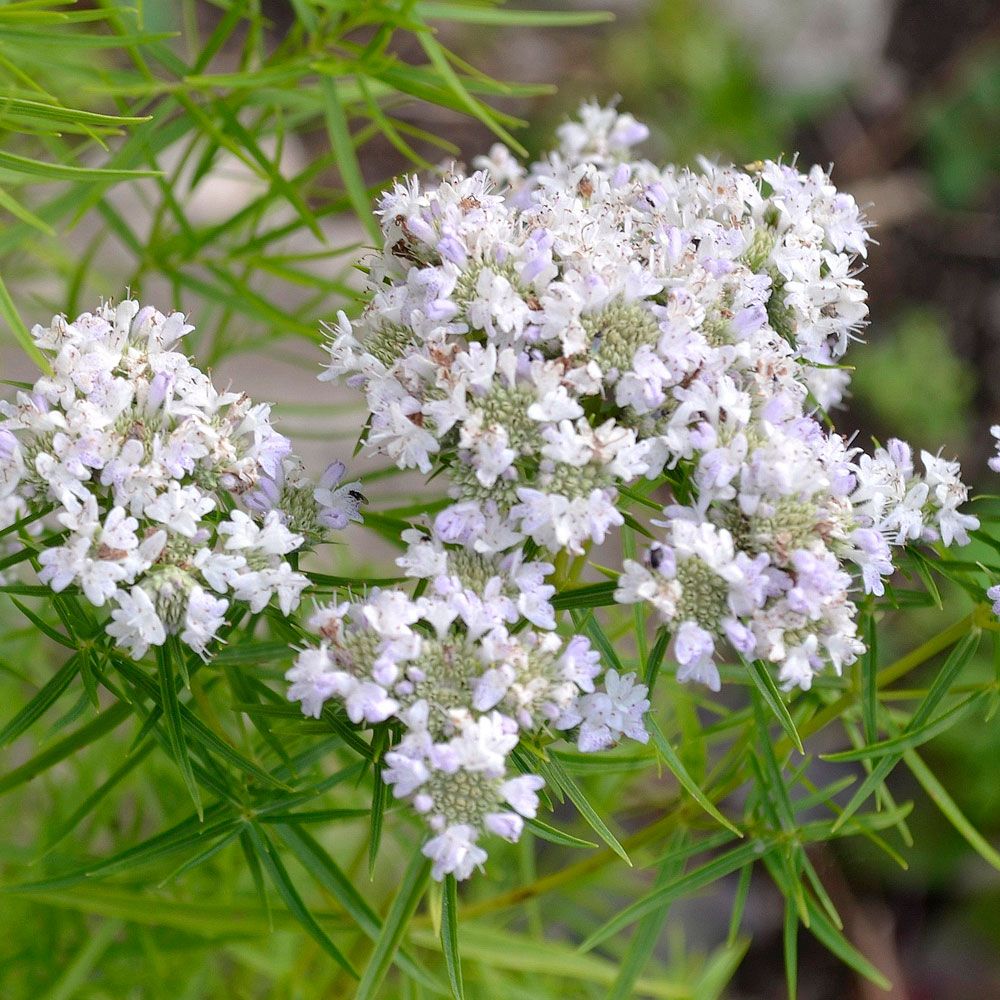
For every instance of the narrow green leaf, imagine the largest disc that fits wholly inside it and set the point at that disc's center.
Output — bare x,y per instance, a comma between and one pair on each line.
790,940
506,950
449,936
256,874
41,702
594,595
327,873
739,904
911,737
656,657
380,795
347,582
698,879
254,652
61,113
869,682
398,918
936,791
175,726
83,737
821,894
200,857
43,626
10,315
636,526
278,874
824,932
208,920
196,730
439,60
23,522
314,816
669,756
775,781
589,624
764,683
923,568
462,14
347,160
719,970
190,833
646,935
66,172
554,771
963,652
554,836
12,205
78,40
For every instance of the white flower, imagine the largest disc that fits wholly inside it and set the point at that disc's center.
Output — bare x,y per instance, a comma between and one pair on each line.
203,618
135,623
695,648
11,464
521,793
454,852
182,507
614,712
339,502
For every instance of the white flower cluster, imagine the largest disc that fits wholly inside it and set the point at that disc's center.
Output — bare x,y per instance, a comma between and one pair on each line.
763,561
142,463
993,593
546,335
465,685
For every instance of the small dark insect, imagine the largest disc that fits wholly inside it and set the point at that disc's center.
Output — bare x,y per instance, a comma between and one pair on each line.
402,249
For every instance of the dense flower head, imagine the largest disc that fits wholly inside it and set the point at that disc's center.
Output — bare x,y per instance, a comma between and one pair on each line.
546,335
540,338
464,685
765,559
156,479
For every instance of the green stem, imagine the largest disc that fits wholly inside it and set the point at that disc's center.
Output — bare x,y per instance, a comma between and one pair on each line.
887,675
588,866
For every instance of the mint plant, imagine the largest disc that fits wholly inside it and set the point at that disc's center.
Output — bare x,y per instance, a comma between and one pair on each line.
629,646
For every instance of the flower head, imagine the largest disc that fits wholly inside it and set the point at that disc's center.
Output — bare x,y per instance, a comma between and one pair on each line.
178,499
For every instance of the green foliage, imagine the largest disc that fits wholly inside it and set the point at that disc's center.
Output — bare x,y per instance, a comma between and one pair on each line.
902,358
959,131
187,95
179,817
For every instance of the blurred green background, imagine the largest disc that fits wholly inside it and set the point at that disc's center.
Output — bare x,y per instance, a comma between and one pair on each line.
904,97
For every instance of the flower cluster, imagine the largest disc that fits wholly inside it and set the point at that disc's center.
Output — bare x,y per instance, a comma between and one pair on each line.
546,335
465,686
142,465
541,338
767,564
